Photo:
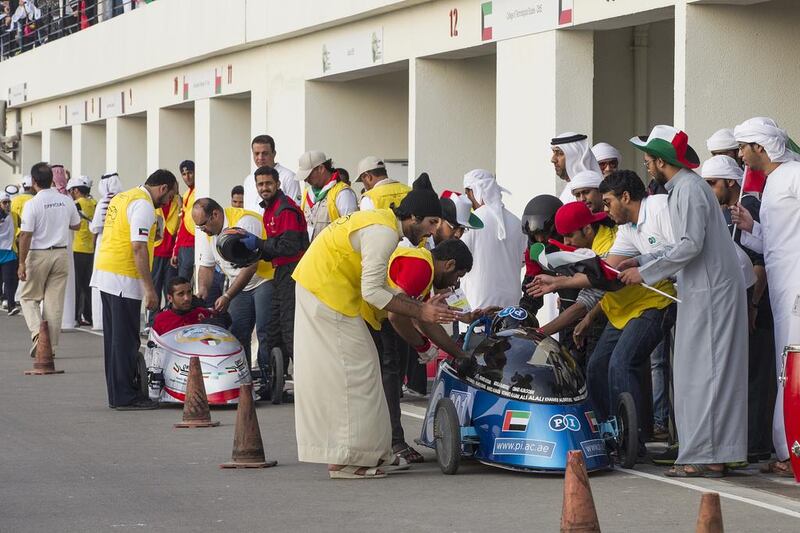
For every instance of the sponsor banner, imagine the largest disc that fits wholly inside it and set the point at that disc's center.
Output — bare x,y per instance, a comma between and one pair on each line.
516,420
17,94
593,448
505,19
352,52
562,422
536,448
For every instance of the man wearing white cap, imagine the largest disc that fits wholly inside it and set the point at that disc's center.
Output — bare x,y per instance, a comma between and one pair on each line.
380,191
457,217
571,154
710,365
83,248
722,142
765,147
495,278
326,197
584,187
608,157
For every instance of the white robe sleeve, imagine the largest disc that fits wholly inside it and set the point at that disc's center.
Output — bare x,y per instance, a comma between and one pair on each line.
754,240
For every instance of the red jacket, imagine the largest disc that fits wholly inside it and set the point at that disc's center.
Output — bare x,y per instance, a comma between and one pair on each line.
168,319
287,232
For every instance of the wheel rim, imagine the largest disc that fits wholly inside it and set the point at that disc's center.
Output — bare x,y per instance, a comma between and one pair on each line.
442,450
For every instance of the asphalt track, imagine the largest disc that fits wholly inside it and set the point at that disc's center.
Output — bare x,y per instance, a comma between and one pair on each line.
69,463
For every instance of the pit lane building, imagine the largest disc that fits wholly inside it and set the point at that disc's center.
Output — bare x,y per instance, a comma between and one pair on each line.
440,86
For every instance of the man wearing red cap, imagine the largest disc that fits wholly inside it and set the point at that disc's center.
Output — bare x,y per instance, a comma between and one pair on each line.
710,364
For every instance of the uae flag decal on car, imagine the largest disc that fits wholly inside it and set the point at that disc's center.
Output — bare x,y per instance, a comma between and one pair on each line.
516,421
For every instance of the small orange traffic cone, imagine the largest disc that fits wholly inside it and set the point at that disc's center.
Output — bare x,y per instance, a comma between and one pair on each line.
43,364
248,449
195,405
578,513
709,520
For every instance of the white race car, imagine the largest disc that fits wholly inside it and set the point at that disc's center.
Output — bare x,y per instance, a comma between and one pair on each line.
222,360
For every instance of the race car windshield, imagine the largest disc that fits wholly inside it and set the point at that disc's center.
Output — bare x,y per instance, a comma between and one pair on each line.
529,368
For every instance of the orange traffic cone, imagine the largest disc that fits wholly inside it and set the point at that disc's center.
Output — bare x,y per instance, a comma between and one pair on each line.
248,449
195,405
578,512
709,520
43,364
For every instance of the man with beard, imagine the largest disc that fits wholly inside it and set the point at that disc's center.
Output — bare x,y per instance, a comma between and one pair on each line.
122,274
710,365
571,154
457,218
326,197
767,148
341,414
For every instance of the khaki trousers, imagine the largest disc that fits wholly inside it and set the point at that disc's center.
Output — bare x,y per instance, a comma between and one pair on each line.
42,294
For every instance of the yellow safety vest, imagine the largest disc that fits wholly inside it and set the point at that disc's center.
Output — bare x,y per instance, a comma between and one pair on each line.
333,212
234,215
171,223
84,239
630,302
331,268
186,213
17,203
375,316
116,250
388,195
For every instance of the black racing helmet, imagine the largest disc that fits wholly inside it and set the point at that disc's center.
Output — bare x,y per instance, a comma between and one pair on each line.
513,318
539,215
231,248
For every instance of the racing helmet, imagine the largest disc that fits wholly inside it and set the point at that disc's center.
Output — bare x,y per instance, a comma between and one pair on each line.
539,215
513,318
231,248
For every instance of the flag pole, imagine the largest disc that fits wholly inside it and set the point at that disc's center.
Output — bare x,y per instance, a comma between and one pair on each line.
738,203
646,286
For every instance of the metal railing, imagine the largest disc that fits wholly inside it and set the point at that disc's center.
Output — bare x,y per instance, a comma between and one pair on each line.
58,18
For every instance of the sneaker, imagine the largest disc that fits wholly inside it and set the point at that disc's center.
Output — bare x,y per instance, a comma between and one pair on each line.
139,405
660,432
4,305
412,393
668,457
14,311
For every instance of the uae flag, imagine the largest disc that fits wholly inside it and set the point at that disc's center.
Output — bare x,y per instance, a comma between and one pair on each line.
217,82
754,180
486,21
564,11
570,261
516,421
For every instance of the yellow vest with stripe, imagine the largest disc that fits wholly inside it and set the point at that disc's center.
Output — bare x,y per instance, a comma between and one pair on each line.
84,239
387,195
234,215
173,220
375,316
186,214
330,198
116,249
17,203
630,302
331,268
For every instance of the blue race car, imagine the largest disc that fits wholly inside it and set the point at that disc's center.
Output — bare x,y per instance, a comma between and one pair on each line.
520,402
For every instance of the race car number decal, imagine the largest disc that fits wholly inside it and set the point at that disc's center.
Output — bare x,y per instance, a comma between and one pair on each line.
536,448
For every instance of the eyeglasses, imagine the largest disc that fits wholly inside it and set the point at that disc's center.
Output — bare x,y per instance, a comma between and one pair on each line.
606,164
647,163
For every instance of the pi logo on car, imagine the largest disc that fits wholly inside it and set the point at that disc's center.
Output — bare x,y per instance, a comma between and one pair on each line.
562,422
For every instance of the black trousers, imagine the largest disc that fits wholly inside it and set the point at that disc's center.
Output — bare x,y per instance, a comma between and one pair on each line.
761,389
281,326
84,263
391,349
121,348
10,281
162,273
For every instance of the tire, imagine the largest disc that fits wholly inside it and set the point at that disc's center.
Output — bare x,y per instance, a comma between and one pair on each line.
277,375
141,380
628,431
447,436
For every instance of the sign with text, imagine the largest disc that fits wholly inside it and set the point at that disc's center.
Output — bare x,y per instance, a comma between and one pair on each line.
352,52
76,112
112,104
17,94
203,84
505,19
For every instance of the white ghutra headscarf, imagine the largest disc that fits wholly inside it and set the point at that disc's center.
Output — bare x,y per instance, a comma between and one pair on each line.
487,191
765,132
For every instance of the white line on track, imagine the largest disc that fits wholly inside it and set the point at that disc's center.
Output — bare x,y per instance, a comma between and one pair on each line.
723,494
98,333
413,415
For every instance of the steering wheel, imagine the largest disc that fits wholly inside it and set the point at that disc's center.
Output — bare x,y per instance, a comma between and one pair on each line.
484,321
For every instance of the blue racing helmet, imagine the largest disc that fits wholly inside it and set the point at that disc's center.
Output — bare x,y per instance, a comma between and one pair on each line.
513,318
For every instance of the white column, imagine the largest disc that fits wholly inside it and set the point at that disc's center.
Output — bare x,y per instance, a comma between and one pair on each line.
202,147
222,153
57,147
89,150
544,87
126,149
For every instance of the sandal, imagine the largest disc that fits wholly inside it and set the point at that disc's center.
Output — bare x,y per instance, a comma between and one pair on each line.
398,464
352,472
778,468
696,471
408,453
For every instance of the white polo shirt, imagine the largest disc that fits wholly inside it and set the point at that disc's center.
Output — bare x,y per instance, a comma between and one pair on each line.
651,232
48,216
289,186
141,215
207,255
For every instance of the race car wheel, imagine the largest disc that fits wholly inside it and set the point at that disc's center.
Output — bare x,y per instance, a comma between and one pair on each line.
447,436
141,380
628,431
278,373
